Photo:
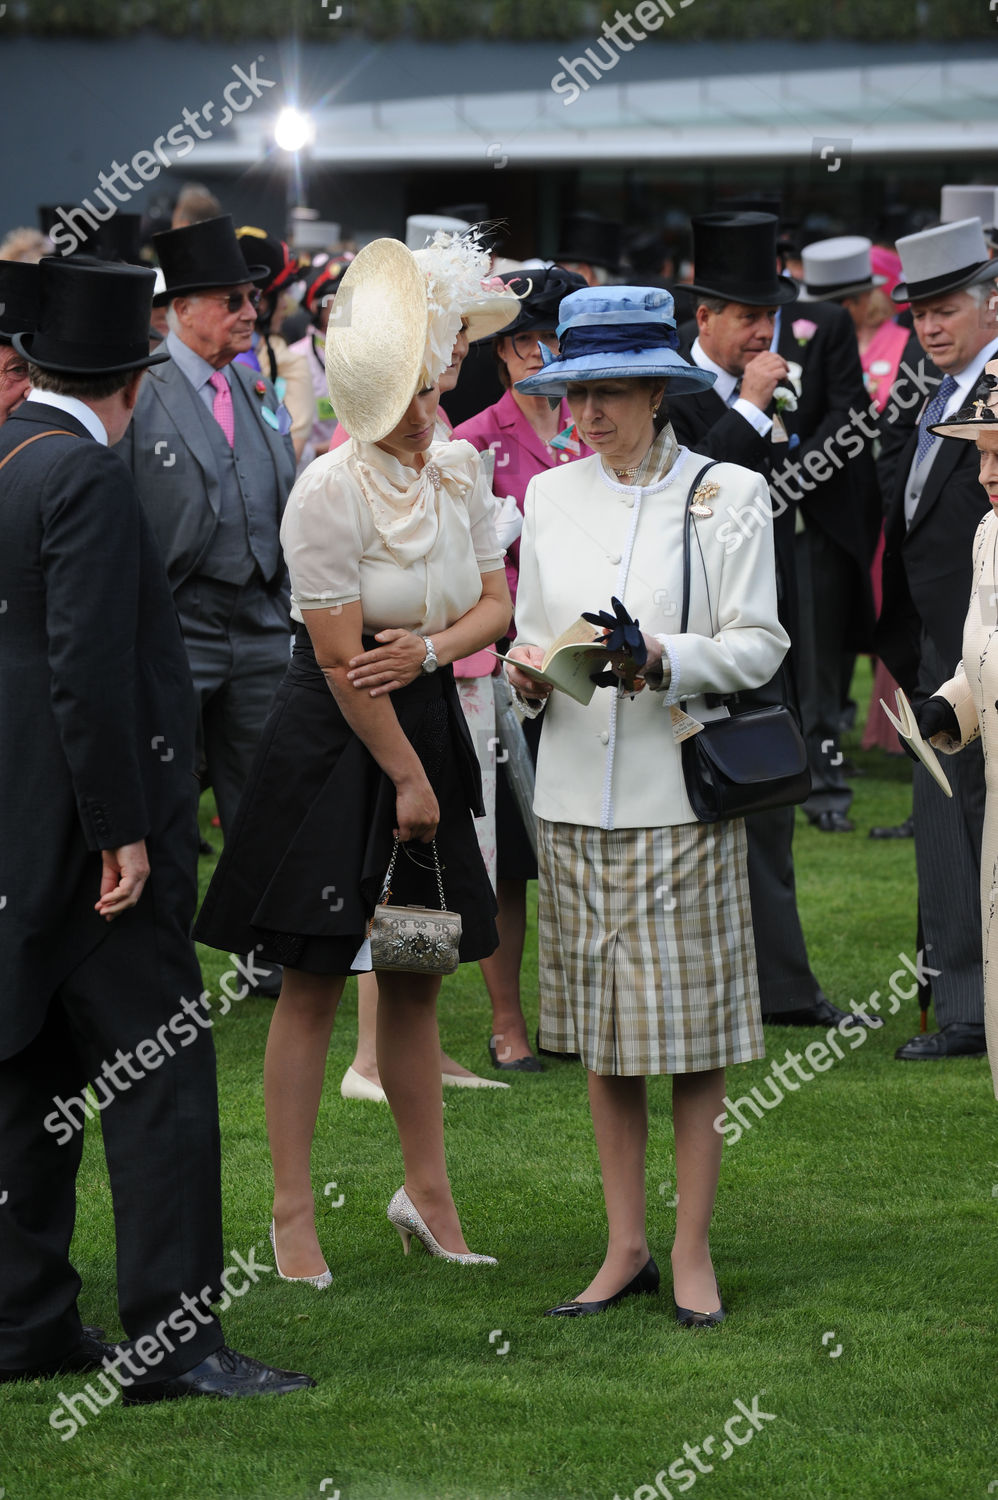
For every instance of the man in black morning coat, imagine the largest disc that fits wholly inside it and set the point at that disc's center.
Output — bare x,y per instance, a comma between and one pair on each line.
936,503
97,876
738,295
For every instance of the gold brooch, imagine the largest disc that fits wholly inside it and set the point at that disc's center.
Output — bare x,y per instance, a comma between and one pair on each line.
703,493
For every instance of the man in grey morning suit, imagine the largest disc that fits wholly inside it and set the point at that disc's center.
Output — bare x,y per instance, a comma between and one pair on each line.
213,464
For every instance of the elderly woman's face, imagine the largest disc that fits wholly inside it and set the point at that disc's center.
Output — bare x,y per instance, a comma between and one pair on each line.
414,433
987,447
614,416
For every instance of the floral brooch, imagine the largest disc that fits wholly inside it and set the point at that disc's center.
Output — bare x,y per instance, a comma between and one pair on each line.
703,493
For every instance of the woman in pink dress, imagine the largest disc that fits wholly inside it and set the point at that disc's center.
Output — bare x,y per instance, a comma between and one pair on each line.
526,437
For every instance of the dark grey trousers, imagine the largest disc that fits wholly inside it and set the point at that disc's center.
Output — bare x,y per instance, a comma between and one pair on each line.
238,643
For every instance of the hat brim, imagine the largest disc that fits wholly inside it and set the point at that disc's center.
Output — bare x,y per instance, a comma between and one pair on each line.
490,316
833,294
783,291
376,339
966,427
22,342
257,274
923,291
682,378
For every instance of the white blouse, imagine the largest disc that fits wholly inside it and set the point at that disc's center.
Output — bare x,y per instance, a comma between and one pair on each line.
410,546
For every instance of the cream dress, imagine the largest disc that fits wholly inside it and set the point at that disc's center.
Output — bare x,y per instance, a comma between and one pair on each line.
973,692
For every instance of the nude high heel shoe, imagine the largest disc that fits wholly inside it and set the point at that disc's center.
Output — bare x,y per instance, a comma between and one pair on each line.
321,1281
408,1222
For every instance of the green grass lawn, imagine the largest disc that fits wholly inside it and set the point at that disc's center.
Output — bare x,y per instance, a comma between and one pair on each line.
854,1241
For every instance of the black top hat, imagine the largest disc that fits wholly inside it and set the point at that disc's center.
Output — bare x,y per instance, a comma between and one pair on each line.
18,298
118,238
734,257
540,290
591,240
201,256
93,318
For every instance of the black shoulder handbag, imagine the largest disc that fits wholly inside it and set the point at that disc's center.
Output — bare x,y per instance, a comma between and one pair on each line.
750,761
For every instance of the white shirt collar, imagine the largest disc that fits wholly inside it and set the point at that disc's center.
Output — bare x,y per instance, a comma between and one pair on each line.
725,383
73,407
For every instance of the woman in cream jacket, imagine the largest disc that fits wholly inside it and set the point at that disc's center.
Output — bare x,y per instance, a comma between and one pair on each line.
646,955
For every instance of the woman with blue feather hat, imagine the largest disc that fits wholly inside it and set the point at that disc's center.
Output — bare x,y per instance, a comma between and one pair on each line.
646,955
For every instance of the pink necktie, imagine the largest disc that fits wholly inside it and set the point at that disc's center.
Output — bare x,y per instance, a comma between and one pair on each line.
221,408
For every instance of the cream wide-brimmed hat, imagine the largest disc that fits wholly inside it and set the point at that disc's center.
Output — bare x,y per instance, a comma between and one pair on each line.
376,339
395,320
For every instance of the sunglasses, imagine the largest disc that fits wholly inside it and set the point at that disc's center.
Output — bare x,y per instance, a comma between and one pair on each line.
233,302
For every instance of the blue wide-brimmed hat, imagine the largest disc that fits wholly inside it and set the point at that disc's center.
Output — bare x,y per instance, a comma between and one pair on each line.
613,332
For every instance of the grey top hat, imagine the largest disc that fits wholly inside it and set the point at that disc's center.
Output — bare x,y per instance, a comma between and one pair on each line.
839,267
968,201
944,259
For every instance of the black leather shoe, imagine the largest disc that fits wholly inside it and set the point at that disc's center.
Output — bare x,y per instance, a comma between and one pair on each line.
526,1064
645,1281
905,830
89,1332
88,1355
821,1013
833,822
958,1039
687,1318
224,1374
204,847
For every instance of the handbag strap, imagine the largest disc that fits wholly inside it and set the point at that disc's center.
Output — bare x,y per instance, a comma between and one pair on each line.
386,889
720,698
52,432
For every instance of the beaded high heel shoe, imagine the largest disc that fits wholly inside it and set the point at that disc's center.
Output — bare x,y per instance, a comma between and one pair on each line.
321,1281
408,1222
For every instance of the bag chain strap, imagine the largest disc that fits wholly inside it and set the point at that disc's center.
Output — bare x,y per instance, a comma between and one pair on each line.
386,889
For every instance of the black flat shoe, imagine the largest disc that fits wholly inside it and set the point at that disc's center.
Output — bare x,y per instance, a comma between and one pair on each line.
645,1281
687,1318
958,1039
89,1354
526,1064
224,1374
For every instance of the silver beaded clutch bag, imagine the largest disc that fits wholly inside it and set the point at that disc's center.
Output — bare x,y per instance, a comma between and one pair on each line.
414,939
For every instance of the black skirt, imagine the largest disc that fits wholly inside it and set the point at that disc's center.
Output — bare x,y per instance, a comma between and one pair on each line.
301,872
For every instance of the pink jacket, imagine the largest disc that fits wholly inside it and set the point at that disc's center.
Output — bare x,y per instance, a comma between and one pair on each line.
520,454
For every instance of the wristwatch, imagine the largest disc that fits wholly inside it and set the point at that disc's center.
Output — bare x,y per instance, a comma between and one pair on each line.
430,663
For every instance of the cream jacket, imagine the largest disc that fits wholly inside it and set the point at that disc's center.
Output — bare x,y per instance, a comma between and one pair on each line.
615,764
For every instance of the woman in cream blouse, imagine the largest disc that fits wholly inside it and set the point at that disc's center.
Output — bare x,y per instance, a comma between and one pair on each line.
395,573
646,956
